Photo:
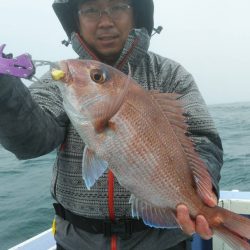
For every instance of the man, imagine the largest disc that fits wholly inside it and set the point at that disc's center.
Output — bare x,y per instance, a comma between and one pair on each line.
33,123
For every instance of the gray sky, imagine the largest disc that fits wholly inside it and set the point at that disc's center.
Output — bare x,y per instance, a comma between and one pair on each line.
211,39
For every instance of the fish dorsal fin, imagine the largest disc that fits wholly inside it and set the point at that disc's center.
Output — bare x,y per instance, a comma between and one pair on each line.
153,216
105,112
173,110
92,167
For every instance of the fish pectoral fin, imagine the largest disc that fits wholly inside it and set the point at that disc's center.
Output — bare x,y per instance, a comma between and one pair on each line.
153,216
92,167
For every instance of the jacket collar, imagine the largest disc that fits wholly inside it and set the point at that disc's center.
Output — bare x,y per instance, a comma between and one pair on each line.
133,52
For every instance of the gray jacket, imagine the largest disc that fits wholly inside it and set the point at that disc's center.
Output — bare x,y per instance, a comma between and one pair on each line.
33,123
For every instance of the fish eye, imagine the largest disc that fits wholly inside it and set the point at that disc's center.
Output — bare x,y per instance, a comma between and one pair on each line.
98,76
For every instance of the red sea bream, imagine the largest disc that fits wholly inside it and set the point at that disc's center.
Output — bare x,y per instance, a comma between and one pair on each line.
141,136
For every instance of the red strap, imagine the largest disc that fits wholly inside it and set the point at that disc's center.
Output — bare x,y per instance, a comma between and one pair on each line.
111,180
113,242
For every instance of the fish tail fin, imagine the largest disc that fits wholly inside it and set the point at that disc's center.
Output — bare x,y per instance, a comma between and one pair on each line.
234,240
234,229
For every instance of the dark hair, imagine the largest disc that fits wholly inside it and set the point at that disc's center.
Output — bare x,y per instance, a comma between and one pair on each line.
66,9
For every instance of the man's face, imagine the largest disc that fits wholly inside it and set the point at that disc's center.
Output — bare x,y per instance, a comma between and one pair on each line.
106,34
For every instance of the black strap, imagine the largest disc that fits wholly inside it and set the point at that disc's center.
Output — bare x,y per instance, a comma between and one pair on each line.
123,227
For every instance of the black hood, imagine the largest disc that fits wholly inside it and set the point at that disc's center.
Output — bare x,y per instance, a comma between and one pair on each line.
66,11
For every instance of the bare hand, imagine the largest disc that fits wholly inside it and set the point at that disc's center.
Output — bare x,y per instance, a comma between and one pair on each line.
199,225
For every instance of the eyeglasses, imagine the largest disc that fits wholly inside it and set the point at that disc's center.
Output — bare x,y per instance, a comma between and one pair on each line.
115,12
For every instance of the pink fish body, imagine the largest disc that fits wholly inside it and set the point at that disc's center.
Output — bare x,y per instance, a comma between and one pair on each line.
141,136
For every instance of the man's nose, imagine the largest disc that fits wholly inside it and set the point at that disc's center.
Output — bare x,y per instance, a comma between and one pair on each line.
105,20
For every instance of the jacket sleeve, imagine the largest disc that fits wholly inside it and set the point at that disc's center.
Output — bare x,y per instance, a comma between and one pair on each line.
32,121
201,126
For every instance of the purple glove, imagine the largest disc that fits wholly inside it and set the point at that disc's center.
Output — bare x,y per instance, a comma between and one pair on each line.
20,66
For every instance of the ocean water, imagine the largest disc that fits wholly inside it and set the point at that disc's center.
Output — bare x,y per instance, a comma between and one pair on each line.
25,202
233,124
